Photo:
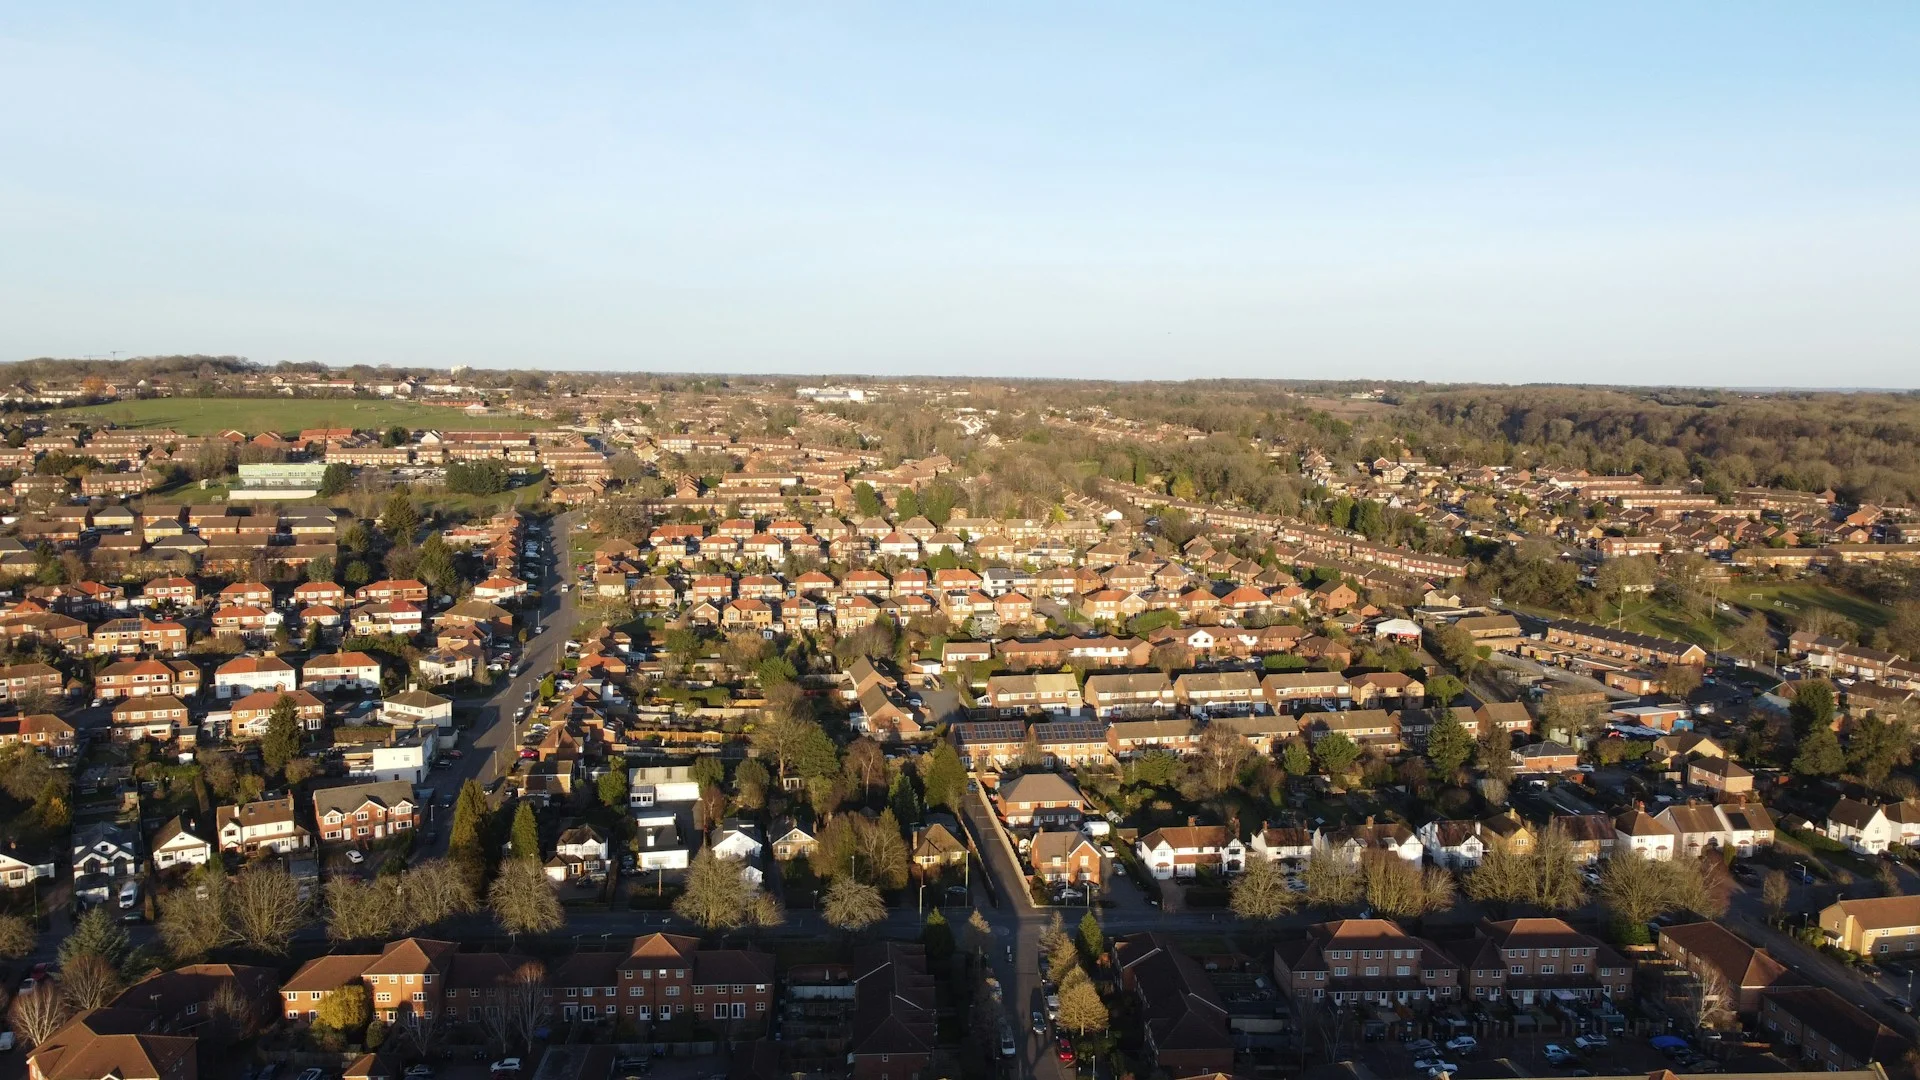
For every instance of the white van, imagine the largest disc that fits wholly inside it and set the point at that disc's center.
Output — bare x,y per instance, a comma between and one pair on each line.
129,894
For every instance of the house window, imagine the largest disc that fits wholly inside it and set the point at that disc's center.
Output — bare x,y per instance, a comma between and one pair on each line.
1518,970
1579,969
1546,969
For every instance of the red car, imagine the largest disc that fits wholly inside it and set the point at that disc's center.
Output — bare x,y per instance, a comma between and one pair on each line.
529,754
1066,1051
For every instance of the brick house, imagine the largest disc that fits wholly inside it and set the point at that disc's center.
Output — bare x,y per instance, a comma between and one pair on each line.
1066,857
1707,948
142,678
1525,959
1828,1030
360,813
1354,960
1184,1021
251,714
155,716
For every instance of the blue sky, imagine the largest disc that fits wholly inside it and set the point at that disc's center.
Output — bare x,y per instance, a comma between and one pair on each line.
1721,194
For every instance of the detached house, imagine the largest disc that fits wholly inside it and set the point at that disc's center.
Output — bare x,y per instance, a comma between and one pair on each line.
1066,857
106,848
174,846
1181,852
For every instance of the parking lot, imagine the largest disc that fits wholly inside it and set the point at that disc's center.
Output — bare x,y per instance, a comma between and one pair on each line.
1534,1055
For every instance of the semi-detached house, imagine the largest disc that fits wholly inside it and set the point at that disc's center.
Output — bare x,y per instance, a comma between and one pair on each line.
1183,851
1012,694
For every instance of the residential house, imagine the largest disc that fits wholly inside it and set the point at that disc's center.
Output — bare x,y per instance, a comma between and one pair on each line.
894,1025
361,813
1717,956
1529,960
1066,857
114,1044
1184,1022
1645,835
1455,845
1365,960
1016,694
580,854
107,848
140,678
340,671
1041,798
43,731
264,825
938,844
1862,826
250,716
16,872
245,675
1392,837
1183,851
1721,775
791,841
155,717
1828,1031
1282,844
657,841
174,846
1881,926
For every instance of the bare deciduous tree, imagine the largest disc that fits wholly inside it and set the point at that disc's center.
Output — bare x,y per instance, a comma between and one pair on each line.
89,981
523,899
432,891
196,918
853,906
266,908
524,1007
361,910
1261,891
38,1015
1333,880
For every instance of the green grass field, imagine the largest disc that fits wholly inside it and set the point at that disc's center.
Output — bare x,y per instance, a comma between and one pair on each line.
1789,599
203,416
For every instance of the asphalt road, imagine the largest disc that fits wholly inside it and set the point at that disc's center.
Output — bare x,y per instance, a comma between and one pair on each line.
490,748
1015,954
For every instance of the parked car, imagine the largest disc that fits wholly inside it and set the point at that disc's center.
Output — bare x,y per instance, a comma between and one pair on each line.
1039,1022
1463,1044
1590,1042
1434,1065
511,1064
1065,1051
355,857
1007,1049
1558,1055
1422,1048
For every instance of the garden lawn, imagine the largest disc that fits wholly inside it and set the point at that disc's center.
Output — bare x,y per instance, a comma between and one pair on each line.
207,416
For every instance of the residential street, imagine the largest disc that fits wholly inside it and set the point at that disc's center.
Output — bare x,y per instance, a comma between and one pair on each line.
490,746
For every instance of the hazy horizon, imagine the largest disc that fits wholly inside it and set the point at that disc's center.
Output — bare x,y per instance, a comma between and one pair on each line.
1715,197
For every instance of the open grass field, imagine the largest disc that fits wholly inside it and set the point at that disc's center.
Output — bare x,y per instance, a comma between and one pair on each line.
205,416
1788,599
